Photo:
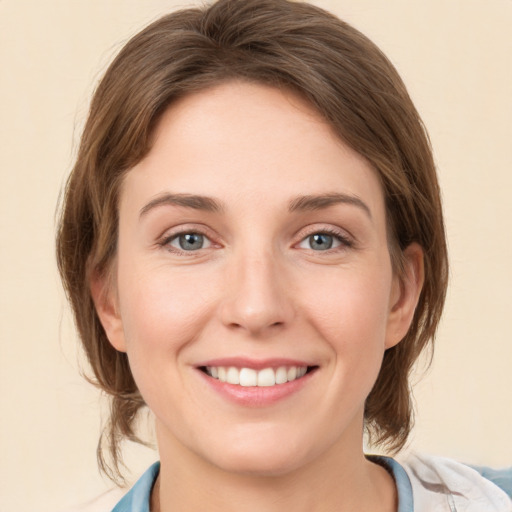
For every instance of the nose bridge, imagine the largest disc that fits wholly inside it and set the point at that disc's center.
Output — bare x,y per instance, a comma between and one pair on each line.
256,297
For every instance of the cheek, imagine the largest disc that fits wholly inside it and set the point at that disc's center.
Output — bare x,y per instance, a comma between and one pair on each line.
162,312
350,310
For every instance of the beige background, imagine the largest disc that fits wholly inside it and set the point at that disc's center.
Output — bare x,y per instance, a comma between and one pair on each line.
455,56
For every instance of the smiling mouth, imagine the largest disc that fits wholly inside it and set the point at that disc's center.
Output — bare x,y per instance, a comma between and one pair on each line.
249,377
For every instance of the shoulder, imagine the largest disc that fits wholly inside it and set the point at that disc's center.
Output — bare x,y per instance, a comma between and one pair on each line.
449,485
139,496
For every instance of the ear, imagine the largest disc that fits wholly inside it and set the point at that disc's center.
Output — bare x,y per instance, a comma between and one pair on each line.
104,296
405,293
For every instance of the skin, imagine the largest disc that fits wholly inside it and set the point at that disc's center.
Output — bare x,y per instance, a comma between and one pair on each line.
257,289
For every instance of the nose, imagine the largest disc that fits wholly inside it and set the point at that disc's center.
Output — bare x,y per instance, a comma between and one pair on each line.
257,296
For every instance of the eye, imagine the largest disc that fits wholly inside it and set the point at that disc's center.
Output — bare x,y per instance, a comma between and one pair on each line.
189,241
323,241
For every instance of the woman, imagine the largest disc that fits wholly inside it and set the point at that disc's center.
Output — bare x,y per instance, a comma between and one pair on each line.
252,241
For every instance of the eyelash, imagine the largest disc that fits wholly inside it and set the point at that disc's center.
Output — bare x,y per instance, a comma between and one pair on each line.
344,241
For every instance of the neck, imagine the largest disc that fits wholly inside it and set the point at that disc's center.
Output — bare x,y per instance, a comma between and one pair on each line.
336,481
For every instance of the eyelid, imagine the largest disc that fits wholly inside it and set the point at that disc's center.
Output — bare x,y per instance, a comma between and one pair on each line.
187,227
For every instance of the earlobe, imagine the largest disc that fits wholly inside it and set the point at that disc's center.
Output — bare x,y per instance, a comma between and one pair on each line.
106,303
405,295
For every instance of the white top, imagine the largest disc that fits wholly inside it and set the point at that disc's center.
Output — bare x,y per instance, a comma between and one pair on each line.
440,484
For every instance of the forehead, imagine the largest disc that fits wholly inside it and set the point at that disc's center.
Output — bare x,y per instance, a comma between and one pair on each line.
243,141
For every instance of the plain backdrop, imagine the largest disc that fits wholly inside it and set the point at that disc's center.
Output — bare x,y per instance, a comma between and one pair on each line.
456,58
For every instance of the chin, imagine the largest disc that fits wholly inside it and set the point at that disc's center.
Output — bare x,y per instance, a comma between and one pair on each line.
259,465
277,457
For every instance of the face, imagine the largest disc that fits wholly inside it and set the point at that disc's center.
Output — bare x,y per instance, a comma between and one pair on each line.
255,295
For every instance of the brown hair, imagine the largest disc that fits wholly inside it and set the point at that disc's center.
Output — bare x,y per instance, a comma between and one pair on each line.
282,44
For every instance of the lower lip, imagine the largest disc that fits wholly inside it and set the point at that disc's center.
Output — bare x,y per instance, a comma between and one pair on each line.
256,396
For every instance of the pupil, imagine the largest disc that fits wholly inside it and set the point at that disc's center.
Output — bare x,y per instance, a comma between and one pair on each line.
320,241
191,241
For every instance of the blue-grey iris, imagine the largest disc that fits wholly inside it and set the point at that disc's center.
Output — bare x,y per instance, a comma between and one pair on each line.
191,241
320,241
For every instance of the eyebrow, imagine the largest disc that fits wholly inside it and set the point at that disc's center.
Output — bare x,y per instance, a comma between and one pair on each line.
322,201
195,202
300,203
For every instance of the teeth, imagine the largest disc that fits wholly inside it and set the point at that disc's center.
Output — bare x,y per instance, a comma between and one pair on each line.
281,375
266,377
292,373
249,377
233,376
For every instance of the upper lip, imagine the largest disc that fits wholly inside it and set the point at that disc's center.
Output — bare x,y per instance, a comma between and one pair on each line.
256,364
